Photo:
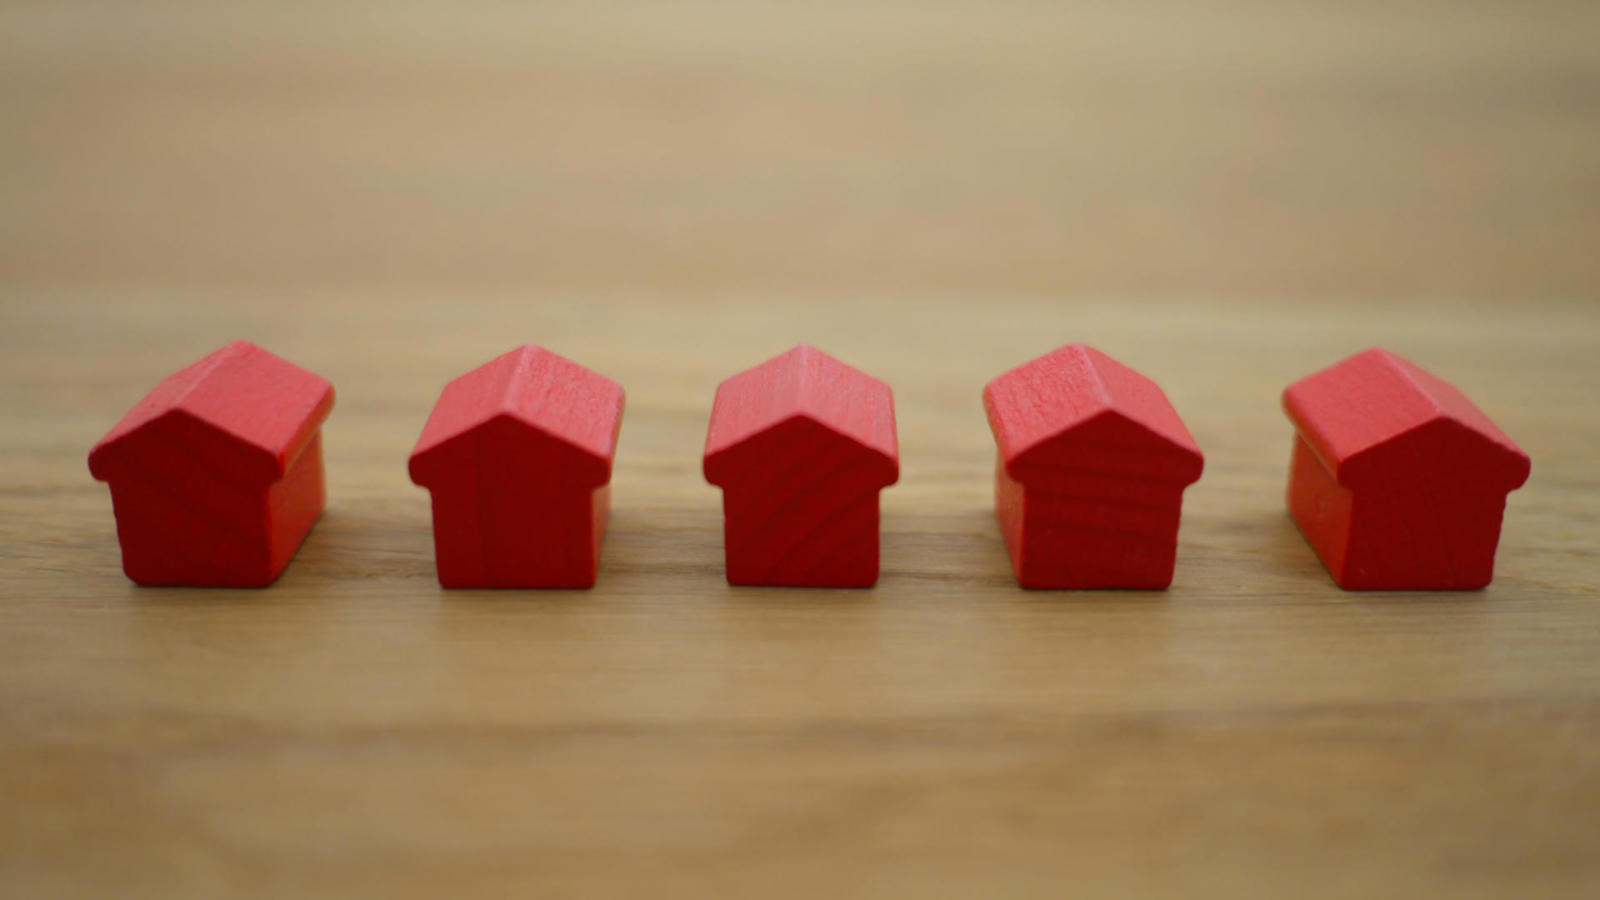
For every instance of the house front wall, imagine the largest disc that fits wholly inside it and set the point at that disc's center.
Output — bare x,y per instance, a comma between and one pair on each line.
1425,531
170,539
800,508
822,539
1440,539
514,532
1098,533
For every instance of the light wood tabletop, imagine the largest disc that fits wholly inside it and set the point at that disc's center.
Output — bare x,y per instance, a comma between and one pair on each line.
1225,199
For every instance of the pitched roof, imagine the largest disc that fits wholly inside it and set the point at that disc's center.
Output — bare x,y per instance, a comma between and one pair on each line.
803,382
1371,399
255,412
1076,388
545,392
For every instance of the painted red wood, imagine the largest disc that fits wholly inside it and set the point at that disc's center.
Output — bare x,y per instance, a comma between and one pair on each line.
1090,473
517,454
801,445
216,475
1397,480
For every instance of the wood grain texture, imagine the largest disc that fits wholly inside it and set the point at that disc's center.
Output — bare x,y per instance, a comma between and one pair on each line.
801,445
517,458
355,728
1090,470
1223,196
216,473
1398,480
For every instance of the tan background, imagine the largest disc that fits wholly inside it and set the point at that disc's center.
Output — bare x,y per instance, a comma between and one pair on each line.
1225,197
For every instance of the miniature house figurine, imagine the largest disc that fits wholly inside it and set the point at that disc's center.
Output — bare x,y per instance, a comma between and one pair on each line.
801,445
1089,477
216,475
517,454
1397,480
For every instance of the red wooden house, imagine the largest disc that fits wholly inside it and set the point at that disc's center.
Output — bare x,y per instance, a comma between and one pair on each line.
1089,477
801,445
517,454
216,475
1397,480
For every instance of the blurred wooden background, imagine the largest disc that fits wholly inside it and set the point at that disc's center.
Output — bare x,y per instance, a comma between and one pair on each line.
1409,149
1225,196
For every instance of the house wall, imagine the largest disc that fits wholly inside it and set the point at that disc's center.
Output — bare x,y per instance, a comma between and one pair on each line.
509,531
1320,506
1439,541
1101,533
825,539
168,539
294,504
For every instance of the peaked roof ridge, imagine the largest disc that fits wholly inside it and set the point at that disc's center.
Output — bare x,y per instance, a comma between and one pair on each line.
527,385
803,382
811,369
527,398
273,410
1139,398
206,367
169,394
820,419
1343,414
438,431
817,372
1043,401
1424,385
519,357
806,358
509,389
1112,430
1094,360
1446,398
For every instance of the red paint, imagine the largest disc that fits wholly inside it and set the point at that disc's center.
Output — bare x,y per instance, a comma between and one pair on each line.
1397,480
801,445
517,454
216,475
1089,477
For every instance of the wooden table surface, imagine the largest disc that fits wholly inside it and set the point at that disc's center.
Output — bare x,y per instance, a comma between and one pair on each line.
1224,198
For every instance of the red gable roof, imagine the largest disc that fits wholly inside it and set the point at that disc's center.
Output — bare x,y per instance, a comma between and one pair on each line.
239,409
545,392
1076,395
1371,400
803,382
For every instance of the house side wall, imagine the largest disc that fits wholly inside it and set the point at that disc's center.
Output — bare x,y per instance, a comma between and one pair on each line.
599,518
1008,510
295,503
1321,508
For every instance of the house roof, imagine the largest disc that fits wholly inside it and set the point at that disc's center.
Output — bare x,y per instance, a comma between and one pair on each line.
802,383
1077,399
239,410
540,390
1355,410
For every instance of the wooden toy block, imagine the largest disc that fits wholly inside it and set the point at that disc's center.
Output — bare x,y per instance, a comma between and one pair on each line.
801,445
1090,473
517,455
216,475
1397,480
